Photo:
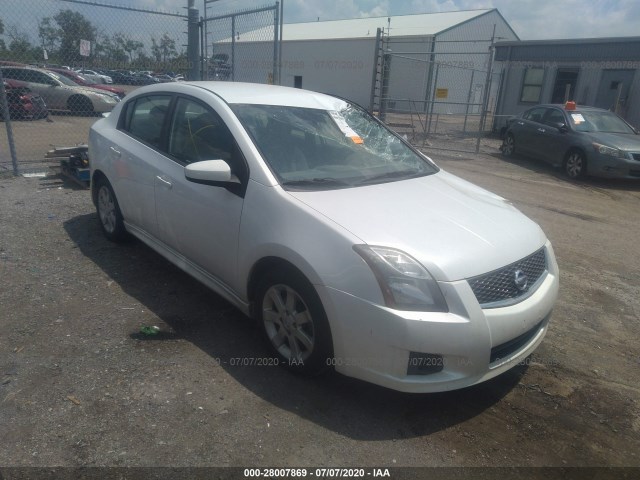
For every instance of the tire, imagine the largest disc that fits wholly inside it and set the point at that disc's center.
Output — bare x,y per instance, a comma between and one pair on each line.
294,322
575,165
508,146
80,105
109,214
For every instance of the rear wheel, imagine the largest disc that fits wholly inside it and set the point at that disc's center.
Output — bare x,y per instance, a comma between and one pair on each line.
508,145
109,214
575,164
294,322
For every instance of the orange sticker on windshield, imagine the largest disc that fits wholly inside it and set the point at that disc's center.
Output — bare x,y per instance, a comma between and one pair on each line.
357,140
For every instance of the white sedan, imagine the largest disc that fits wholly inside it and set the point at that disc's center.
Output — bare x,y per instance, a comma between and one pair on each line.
351,249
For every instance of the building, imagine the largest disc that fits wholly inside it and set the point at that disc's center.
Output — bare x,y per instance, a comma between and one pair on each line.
600,72
446,51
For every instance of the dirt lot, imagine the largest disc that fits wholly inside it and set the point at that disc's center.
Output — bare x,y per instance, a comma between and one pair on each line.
81,387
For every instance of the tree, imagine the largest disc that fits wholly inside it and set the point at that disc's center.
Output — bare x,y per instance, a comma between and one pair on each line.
164,49
20,47
73,28
127,44
49,35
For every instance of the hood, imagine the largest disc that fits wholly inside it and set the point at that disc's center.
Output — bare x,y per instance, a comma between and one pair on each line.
455,229
624,141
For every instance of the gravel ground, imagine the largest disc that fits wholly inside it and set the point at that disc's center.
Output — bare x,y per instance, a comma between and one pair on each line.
80,386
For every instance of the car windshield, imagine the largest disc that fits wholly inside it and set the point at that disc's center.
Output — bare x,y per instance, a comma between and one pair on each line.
63,79
606,122
315,149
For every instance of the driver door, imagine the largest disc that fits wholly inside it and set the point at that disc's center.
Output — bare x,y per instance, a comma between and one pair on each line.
200,222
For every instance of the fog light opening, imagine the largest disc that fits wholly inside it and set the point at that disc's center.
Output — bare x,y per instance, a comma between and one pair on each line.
424,363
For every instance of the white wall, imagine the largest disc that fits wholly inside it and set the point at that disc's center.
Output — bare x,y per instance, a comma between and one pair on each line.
463,55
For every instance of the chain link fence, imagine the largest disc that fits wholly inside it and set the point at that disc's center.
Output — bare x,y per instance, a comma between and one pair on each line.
242,46
65,62
440,96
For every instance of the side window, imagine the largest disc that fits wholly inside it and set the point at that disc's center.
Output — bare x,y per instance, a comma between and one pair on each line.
39,77
197,133
13,73
554,117
145,118
535,114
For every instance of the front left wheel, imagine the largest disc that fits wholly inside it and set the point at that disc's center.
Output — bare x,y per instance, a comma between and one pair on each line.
294,322
575,164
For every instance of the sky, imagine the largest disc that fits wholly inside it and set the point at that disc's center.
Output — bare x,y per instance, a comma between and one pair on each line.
531,19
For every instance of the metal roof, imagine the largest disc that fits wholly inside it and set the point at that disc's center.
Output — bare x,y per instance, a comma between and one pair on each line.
423,24
574,49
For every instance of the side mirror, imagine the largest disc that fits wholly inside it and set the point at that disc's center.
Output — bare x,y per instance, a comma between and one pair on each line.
562,127
210,172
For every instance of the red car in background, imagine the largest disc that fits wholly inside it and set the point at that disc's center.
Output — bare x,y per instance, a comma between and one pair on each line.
22,102
85,82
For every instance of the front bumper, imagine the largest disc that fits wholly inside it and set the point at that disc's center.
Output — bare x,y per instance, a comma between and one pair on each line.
469,344
609,167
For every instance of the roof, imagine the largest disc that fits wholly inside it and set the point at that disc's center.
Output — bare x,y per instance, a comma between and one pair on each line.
251,94
571,50
423,24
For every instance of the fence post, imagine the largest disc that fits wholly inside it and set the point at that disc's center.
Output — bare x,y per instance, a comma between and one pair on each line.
8,126
487,89
193,41
276,59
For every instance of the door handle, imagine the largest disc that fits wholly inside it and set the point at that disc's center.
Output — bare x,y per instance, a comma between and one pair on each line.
520,123
164,181
114,150
541,130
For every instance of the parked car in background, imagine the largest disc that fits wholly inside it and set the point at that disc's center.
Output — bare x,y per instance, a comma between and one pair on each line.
60,93
219,67
582,140
22,102
92,74
349,247
85,82
145,79
163,78
122,77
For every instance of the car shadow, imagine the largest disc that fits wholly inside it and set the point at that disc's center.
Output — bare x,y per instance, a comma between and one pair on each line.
188,310
589,182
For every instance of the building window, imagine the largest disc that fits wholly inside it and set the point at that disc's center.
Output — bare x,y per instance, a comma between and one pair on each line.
297,81
532,85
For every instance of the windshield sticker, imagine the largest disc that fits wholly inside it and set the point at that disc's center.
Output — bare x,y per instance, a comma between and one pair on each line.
577,118
345,128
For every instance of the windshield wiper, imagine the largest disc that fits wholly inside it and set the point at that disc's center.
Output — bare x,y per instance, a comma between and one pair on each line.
390,176
324,181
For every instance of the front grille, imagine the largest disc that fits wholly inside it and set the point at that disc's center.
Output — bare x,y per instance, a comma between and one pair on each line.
636,156
498,288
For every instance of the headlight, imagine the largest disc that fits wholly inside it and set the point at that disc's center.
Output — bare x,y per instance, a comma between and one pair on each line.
405,284
610,151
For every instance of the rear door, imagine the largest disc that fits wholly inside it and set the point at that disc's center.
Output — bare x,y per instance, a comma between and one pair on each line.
136,155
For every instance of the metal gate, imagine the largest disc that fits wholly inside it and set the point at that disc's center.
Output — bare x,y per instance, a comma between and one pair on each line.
242,46
438,98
